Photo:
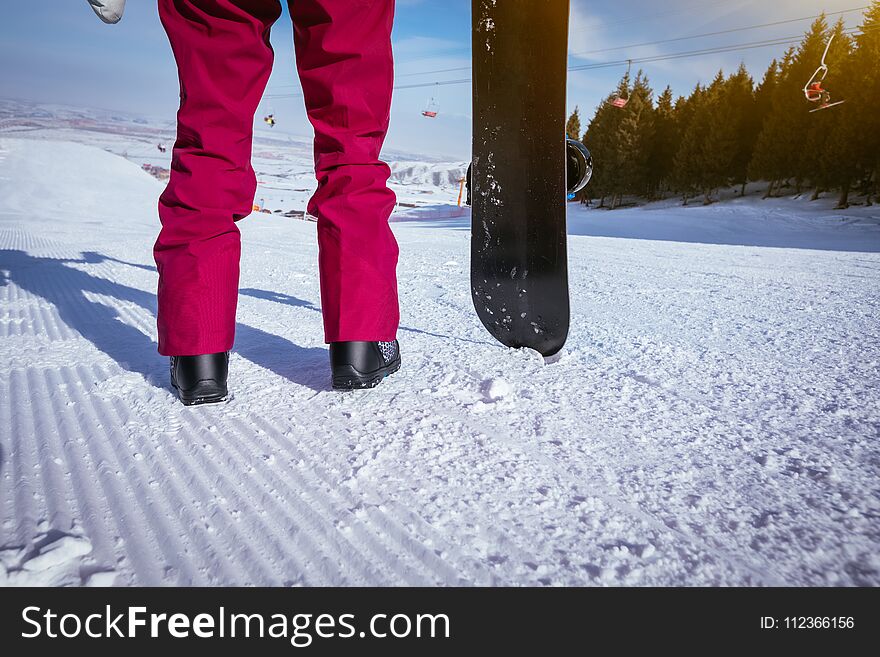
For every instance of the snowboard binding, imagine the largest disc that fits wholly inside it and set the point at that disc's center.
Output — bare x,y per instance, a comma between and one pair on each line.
578,169
578,166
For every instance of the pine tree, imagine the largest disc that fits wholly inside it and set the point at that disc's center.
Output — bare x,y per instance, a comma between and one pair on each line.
600,139
858,134
755,122
769,158
724,158
597,139
573,125
690,167
632,138
685,111
740,95
765,91
663,145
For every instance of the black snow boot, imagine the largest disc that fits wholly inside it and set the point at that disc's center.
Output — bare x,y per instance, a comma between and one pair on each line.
362,364
200,379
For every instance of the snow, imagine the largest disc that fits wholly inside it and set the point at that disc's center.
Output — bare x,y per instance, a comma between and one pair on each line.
713,419
52,559
779,222
497,389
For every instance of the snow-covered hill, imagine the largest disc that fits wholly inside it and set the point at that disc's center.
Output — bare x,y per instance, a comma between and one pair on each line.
713,419
444,174
284,162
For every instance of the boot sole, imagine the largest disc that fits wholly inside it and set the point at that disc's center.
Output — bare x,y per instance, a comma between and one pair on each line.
354,380
199,401
189,398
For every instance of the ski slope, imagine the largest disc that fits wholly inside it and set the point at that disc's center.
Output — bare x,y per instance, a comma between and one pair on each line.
713,419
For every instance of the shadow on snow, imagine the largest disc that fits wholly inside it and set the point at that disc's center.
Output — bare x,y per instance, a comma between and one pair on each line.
66,288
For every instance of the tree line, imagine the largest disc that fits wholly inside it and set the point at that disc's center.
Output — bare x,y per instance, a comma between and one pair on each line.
732,131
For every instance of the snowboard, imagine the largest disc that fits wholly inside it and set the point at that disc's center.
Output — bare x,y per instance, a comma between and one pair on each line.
519,269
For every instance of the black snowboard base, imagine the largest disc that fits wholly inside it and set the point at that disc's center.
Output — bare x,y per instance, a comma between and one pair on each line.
519,269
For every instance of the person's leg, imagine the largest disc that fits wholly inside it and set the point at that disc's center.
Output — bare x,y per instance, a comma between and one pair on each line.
223,60
344,59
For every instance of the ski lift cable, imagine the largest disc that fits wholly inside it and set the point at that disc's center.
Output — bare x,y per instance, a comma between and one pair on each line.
619,63
440,70
794,40
625,21
678,55
718,33
420,85
614,64
696,53
652,43
683,55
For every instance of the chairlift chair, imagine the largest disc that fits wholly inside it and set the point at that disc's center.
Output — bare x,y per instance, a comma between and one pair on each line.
431,109
617,100
814,90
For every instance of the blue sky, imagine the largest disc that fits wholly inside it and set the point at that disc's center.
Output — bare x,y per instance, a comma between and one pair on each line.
60,52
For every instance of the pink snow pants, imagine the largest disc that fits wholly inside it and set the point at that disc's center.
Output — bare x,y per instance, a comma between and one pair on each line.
344,60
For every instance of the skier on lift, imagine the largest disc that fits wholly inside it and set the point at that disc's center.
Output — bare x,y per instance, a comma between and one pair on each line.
814,90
